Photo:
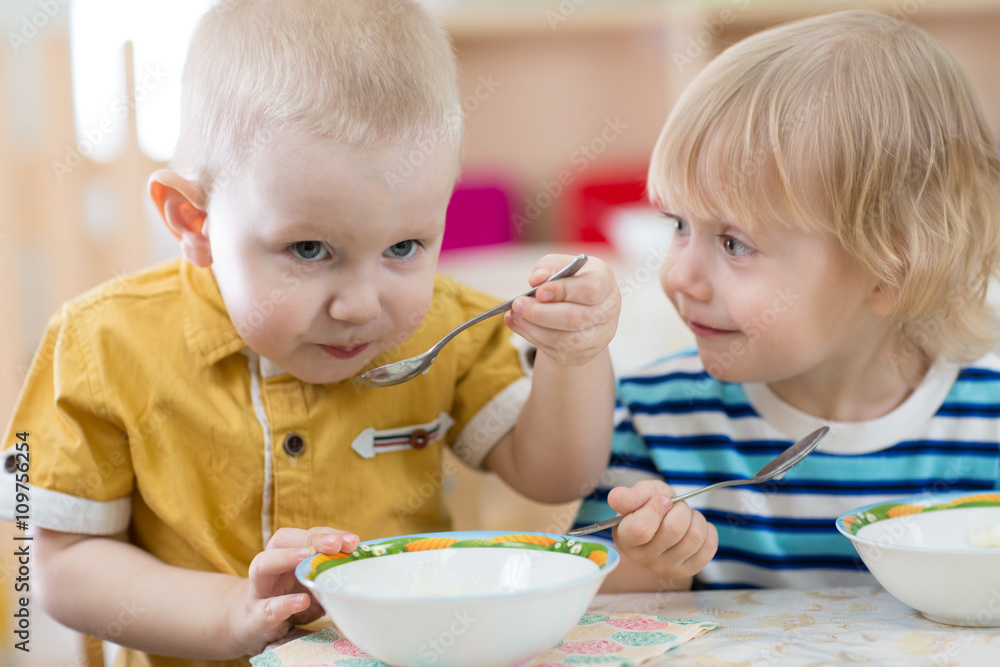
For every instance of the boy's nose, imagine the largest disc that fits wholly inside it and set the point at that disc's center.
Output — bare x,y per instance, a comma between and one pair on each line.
683,272
356,301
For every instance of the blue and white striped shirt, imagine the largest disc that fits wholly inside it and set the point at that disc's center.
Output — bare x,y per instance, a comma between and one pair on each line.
677,423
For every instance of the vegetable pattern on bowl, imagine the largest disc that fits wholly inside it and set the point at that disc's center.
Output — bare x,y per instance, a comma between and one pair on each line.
593,551
869,515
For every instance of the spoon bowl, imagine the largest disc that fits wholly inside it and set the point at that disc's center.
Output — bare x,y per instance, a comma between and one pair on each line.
406,369
777,467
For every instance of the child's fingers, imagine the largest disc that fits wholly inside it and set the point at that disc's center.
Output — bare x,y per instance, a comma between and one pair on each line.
709,544
625,499
690,539
591,285
567,348
583,289
546,267
550,338
272,563
268,619
683,531
562,315
284,538
321,538
684,543
641,526
588,288
282,607
577,338
331,543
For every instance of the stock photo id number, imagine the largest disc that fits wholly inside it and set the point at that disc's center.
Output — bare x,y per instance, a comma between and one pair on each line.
18,463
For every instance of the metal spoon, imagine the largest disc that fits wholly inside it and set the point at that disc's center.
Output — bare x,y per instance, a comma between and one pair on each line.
781,464
407,369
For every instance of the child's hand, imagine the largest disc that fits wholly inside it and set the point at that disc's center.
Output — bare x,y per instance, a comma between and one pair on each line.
272,601
570,320
674,541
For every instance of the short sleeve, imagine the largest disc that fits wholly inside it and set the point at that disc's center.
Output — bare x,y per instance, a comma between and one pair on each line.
79,469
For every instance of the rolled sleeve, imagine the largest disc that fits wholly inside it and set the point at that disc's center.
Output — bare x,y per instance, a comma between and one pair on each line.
79,468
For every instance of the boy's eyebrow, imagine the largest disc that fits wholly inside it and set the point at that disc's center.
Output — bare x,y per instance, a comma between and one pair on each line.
306,227
425,229
297,227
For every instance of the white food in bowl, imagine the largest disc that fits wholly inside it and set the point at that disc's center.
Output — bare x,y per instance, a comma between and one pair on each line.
985,538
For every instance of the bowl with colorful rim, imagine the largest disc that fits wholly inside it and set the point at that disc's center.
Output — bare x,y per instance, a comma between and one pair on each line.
938,553
466,598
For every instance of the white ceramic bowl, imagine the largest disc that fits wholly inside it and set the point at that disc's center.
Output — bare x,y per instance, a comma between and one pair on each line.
920,550
462,598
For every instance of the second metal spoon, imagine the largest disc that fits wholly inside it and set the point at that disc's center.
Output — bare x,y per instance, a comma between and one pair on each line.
407,369
779,465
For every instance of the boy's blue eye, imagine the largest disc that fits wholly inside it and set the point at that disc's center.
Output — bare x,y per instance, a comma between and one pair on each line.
309,251
735,247
402,250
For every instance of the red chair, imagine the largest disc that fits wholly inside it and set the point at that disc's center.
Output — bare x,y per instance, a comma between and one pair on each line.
479,214
591,199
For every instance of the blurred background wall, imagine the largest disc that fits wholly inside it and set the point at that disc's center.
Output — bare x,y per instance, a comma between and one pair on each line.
563,100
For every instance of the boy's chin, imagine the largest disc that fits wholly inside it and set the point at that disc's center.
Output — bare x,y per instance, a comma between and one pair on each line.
327,370
315,377
326,373
725,372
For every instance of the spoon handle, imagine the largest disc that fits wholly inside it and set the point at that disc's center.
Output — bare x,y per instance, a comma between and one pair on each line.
611,523
594,527
564,272
717,485
777,467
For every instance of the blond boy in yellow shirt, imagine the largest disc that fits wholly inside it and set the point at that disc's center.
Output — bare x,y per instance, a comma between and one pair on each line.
193,432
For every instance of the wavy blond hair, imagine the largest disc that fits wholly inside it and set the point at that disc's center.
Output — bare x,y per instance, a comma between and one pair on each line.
362,72
862,126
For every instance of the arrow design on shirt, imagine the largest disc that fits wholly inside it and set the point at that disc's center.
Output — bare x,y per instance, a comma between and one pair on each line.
371,442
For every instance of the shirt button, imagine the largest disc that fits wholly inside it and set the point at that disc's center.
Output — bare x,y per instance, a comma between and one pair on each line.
294,444
10,463
419,438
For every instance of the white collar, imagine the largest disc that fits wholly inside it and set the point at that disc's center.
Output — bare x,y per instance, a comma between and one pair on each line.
864,436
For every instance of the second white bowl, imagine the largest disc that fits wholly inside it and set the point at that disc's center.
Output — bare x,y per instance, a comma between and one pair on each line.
921,551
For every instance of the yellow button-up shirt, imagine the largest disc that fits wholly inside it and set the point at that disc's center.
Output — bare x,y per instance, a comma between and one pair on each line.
146,412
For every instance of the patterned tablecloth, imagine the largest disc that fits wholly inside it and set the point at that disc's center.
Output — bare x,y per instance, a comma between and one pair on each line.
846,626
614,639
786,628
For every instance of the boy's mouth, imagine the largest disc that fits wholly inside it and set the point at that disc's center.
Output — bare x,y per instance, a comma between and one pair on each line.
344,352
705,331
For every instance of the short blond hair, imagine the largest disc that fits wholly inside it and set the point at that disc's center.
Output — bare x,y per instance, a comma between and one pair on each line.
862,126
362,72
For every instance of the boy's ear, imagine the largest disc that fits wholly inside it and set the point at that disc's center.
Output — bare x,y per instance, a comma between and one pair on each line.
181,203
883,299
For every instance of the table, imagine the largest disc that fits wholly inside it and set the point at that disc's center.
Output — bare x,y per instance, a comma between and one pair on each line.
799,628
849,626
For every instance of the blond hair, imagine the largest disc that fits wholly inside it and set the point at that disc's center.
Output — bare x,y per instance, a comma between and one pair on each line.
362,72
862,126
